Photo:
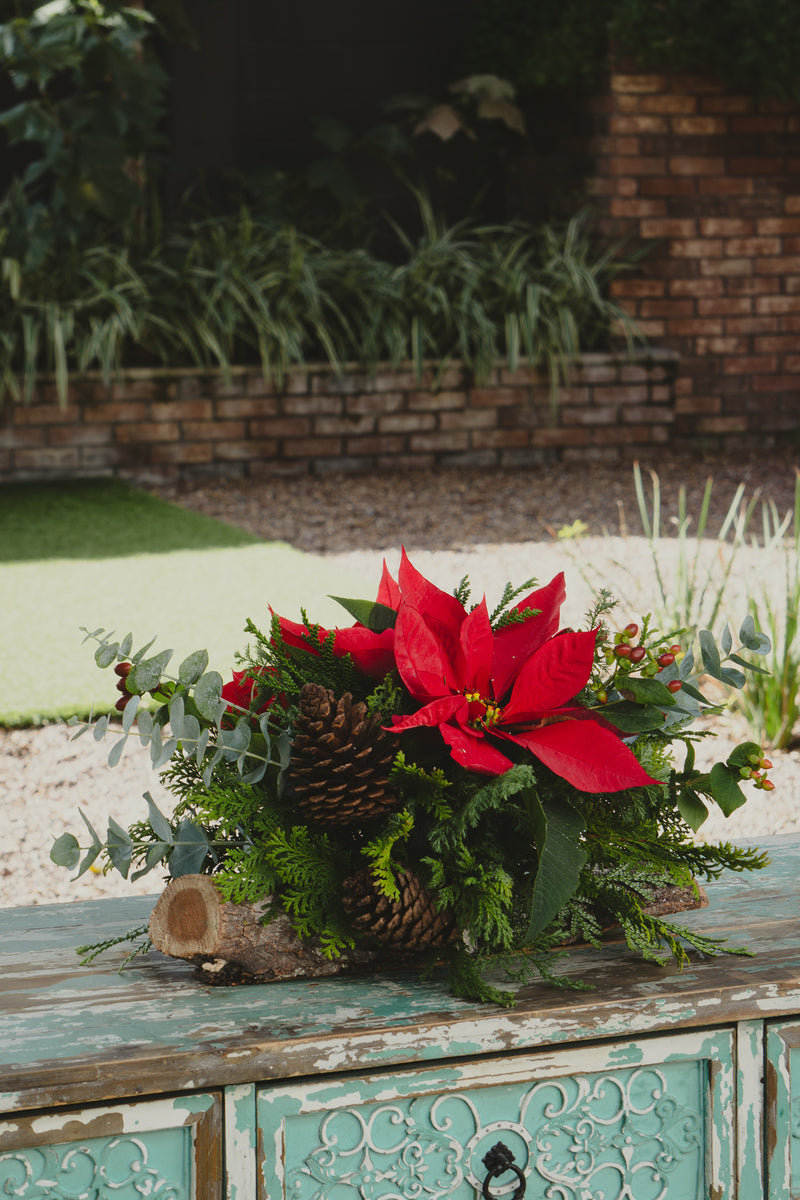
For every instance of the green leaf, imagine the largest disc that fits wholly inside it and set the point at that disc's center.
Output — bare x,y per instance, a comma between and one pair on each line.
207,693
759,643
106,654
129,713
557,828
748,666
66,851
120,847
191,850
691,808
125,647
145,726
726,641
155,855
192,668
708,648
115,753
376,617
723,785
146,675
177,709
649,691
87,861
158,822
632,718
744,755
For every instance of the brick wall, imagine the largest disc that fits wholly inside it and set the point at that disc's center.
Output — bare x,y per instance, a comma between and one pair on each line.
711,181
153,426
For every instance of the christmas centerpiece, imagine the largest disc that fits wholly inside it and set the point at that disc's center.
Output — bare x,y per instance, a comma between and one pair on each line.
434,783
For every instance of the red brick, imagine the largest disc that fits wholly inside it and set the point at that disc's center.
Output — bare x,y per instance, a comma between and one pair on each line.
652,329
51,458
303,406
311,447
494,397
437,401
696,287
276,427
45,414
475,418
744,285
755,166
750,324
256,406
666,102
246,451
575,436
667,308
725,306
638,124
727,266
775,383
499,439
224,430
637,207
696,248
727,104
646,414
788,264
181,452
777,344
637,83
406,422
791,245
671,227
118,413
750,365
623,186
620,395
696,326
636,165
374,402
623,147
757,124
388,444
587,416
697,166
792,204
637,287
698,404
735,424
725,186
792,363
727,227
352,425
433,442
749,247
722,345
778,304
703,126
148,431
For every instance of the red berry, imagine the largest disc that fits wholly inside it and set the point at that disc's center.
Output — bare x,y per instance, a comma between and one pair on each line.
674,685
637,654
676,649
666,660
632,629
768,785
623,650
122,669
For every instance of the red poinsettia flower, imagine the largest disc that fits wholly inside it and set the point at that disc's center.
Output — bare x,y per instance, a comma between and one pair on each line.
240,692
481,688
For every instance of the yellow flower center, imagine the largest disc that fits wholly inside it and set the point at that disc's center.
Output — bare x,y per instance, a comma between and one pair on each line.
482,713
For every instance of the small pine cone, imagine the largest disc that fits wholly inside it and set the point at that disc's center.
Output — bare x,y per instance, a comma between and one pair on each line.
411,924
341,759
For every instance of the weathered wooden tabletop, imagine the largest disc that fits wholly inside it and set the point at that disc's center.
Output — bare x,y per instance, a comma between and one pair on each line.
69,1033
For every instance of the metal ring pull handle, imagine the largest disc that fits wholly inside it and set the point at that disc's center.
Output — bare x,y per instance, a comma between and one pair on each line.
497,1161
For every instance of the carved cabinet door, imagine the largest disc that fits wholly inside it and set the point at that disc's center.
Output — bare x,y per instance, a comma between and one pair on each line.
647,1120
168,1148
783,1110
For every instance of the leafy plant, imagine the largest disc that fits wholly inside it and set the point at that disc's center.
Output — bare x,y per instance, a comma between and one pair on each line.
772,704
528,778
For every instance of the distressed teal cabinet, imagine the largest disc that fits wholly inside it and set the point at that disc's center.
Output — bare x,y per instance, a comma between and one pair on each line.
655,1085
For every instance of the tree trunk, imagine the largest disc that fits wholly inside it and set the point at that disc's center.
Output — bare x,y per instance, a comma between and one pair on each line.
229,942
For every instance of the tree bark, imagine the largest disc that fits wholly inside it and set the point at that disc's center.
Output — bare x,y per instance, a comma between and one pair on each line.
229,942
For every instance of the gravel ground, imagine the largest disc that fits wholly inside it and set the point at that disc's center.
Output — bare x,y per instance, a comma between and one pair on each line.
492,526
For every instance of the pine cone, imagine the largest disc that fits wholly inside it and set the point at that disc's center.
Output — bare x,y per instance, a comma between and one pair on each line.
341,759
411,924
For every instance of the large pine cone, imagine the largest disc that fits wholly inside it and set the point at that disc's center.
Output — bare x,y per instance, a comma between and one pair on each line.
411,924
341,759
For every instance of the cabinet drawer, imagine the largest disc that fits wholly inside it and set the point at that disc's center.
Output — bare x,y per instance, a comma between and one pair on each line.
168,1147
641,1121
783,1110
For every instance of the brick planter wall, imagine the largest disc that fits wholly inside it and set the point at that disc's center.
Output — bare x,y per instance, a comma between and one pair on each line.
154,426
711,181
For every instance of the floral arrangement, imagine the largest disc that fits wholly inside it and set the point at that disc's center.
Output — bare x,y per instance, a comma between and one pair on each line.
436,781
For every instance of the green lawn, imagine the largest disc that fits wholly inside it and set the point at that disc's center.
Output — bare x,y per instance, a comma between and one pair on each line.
105,555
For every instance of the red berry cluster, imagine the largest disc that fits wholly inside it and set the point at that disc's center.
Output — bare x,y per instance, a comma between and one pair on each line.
628,654
756,772
122,669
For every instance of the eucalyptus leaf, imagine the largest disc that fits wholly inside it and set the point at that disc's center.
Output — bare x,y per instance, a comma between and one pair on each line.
202,743
96,839
139,655
100,729
120,847
145,676
125,647
192,668
145,726
748,666
190,850
129,713
726,641
708,648
156,854
165,753
177,709
115,753
257,773
66,851
158,822
734,679
207,693
87,861
106,654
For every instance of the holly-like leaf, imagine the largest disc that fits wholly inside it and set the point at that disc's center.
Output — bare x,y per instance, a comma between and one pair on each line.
633,718
692,808
376,617
723,785
746,754
649,691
